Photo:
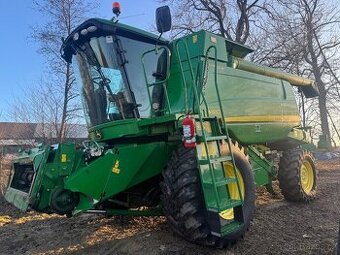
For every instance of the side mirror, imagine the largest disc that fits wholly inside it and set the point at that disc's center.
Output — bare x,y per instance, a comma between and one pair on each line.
163,19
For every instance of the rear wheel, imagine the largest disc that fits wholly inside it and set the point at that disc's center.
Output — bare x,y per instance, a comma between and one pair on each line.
297,175
183,198
63,201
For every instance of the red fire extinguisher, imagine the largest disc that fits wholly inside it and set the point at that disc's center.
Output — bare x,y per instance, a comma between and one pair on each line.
189,132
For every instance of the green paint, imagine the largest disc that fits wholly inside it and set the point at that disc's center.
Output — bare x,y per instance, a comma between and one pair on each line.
264,170
18,198
205,75
116,171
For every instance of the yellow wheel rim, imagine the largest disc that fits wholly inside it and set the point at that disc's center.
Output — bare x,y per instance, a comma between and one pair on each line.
232,187
306,176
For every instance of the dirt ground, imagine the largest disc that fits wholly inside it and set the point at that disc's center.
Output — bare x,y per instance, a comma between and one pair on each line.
279,227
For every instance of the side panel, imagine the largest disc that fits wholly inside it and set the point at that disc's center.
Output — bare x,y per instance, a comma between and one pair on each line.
257,109
264,170
117,170
21,189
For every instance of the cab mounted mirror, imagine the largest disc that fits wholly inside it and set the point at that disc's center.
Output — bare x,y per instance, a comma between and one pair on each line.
163,19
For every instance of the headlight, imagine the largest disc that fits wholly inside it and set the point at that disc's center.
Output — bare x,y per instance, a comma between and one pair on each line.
75,37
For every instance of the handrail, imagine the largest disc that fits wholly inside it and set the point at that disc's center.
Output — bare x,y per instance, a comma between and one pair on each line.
182,69
195,83
225,129
212,174
196,99
158,83
206,113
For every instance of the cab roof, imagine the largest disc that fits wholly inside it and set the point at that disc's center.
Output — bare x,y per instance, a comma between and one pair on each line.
106,27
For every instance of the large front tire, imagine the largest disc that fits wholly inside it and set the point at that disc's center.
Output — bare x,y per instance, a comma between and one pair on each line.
297,175
183,198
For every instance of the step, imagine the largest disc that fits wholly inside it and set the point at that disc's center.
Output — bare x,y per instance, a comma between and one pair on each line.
230,203
212,138
226,204
209,118
231,227
214,160
221,182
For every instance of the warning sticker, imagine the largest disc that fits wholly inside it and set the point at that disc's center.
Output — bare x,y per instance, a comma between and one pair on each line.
109,39
115,168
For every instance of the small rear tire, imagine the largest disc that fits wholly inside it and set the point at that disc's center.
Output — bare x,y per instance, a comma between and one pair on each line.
183,199
297,175
63,201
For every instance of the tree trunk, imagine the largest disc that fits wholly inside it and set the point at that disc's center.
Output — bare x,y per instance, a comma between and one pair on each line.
61,135
316,69
323,112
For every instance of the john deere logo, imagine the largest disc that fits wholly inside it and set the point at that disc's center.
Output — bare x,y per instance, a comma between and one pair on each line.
115,168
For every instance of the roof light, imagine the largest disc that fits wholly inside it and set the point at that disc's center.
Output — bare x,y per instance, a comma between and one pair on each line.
75,37
84,32
91,29
116,8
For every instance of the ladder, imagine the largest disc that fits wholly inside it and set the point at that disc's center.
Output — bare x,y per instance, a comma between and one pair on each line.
212,138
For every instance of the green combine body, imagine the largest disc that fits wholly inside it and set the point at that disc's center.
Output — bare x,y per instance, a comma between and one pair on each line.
138,90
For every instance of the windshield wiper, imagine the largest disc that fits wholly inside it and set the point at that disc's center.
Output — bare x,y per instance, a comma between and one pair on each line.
90,55
123,61
93,59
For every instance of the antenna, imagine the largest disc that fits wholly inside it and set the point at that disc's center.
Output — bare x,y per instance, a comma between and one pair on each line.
132,16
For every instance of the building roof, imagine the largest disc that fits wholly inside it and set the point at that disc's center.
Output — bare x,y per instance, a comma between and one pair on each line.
15,130
24,131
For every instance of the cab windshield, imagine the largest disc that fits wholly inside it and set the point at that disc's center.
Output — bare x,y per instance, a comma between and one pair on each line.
110,74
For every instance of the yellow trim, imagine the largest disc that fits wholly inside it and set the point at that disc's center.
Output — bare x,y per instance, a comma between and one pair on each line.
212,149
233,190
206,128
306,176
264,118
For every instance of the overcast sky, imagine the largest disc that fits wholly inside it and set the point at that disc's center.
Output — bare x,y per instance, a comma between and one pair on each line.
21,66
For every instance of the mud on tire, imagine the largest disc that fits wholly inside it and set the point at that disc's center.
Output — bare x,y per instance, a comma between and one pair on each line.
183,198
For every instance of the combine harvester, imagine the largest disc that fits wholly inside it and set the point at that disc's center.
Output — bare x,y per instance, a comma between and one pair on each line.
182,128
